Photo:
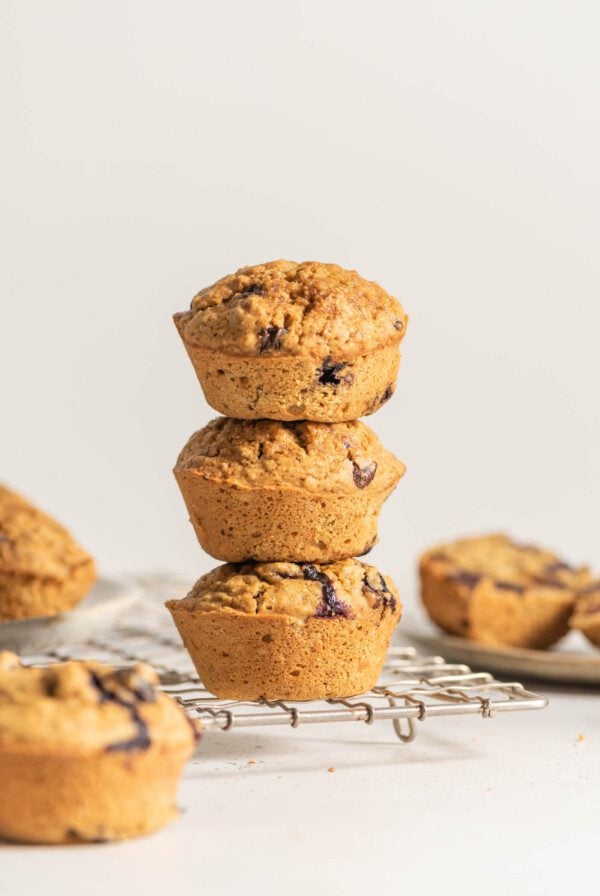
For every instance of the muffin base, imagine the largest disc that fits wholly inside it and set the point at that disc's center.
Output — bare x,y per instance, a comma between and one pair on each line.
496,617
236,524
243,657
288,387
27,596
87,798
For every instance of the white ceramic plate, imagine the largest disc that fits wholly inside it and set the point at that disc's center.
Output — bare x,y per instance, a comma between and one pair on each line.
572,661
106,602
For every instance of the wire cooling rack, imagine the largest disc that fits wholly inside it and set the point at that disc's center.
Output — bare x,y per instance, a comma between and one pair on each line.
412,688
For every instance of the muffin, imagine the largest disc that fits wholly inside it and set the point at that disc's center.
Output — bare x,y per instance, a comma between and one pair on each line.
87,753
263,490
290,341
586,616
496,591
43,571
287,631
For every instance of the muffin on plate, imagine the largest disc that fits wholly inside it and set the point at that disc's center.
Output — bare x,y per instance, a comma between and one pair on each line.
291,341
288,631
87,752
496,591
264,490
586,616
43,571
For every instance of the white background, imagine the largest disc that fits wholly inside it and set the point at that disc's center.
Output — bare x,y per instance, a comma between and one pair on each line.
448,150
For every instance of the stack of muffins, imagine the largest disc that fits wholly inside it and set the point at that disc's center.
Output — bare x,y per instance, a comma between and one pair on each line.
288,486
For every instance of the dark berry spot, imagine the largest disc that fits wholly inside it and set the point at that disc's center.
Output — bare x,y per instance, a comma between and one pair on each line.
385,598
389,391
270,338
548,582
363,476
97,684
380,399
464,577
330,604
145,691
140,741
50,683
559,566
509,586
254,289
399,324
128,680
329,373
110,688
368,549
72,835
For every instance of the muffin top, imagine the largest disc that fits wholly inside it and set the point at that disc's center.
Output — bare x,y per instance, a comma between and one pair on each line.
508,565
82,707
34,544
320,457
291,308
347,589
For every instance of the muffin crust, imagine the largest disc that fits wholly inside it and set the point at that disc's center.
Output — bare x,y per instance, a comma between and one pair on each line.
87,752
43,571
273,491
288,631
337,457
496,591
285,307
300,591
289,341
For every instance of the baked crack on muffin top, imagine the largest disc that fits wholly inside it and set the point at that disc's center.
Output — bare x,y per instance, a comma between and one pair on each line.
285,307
319,457
347,589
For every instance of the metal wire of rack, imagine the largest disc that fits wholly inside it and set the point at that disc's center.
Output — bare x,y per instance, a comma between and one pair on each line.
412,688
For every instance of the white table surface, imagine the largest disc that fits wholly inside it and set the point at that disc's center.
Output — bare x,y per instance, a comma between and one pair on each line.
507,805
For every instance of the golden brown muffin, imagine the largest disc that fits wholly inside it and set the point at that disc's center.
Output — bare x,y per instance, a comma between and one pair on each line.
87,753
495,591
586,617
43,571
290,341
263,490
288,631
